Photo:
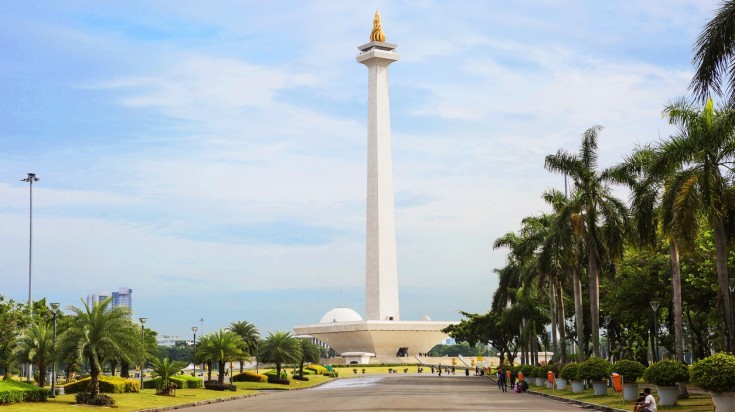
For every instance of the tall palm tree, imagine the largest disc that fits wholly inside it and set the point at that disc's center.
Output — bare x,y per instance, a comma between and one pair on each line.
221,347
249,334
35,345
309,353
603,218
97,332
714,55
702,149
279,348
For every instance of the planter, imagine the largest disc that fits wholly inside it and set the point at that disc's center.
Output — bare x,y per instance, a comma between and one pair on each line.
668,395
724,401
630,391
577,386
599,388
549,385
561,384
539,381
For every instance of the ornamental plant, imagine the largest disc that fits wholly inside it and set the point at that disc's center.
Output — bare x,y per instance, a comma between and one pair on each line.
527,371
569,371
594,369
629,369
715,373
666,373
553,367
539,372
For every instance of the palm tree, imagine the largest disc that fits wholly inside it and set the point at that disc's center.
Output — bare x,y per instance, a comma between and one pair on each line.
279,348
714,55
702,149
603,218
309,353
36,346
249,334
165,370
221,347
96,333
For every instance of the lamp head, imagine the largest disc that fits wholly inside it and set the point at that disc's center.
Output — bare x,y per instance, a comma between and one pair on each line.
142,320
194,329
655,304
31,178
55,307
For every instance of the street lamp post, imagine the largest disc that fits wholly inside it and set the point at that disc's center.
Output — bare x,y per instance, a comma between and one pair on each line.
142,363
54,308
654,306
732,306
609,346
194,329
30,179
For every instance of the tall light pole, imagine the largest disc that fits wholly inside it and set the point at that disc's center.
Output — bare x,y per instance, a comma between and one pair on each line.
142,363
609,346
654,306
194,329
54,308
30,179
732,306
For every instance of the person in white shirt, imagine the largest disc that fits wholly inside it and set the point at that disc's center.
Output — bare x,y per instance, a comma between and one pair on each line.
649,404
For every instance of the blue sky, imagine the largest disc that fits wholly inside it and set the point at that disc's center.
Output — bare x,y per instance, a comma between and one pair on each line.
211,155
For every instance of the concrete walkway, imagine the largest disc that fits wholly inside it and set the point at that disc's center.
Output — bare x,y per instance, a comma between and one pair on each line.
395,393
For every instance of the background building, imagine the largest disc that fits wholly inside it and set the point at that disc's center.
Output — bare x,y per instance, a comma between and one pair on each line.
123,297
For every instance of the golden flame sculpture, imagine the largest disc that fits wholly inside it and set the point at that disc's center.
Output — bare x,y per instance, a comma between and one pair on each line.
377,33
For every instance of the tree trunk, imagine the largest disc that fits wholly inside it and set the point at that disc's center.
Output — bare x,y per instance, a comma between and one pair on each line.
113,367
561,323
94,374
278,370
209,370
41,375
678,319
552,315
724,292
594,295
124,369
221,374
578,315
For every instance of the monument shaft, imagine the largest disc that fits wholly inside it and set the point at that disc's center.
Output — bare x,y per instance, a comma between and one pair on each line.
381,277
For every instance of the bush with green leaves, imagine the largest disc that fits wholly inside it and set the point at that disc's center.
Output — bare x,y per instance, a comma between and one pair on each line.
84,398
551,367
539,372
527,370
249,376
715,373
179,381
630,370
569,371
108,384
12,391
666,373
318,369
594,369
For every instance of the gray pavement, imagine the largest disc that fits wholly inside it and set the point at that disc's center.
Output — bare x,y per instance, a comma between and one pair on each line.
394,393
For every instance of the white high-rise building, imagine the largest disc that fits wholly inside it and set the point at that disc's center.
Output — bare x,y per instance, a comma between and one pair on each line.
123,297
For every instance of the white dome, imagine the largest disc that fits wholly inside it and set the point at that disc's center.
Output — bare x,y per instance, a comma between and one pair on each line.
341,315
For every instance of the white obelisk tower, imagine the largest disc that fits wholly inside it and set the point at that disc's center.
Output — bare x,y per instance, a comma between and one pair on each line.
381,277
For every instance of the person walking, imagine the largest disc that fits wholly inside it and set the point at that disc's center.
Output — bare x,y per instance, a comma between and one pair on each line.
501,381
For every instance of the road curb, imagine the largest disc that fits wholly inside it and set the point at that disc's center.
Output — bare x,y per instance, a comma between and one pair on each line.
583,404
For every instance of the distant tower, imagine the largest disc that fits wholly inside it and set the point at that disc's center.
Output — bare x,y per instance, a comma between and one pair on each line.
381,277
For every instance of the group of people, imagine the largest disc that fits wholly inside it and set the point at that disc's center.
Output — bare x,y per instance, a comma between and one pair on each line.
446,369
506,378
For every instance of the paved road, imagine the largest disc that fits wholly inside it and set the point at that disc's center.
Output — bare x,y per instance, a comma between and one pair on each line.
394,393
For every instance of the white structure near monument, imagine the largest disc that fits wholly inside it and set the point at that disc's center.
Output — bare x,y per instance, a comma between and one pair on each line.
382,333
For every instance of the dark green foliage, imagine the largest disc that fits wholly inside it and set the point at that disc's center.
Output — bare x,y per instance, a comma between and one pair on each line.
569,371
300,378
216,386
594,369
281,381
666,373
715,373
84,398
630,370
553,367
180,381
12,391
527,370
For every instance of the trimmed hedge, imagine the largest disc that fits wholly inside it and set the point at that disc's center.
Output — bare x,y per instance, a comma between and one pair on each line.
180,381
666,373
249,376
527,370
630,370
101,399
216,386
108,384
272,374
12,391
318,369
594,369
569,371
715,373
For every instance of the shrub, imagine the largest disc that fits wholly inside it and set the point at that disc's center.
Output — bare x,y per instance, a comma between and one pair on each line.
318,369
15,392
594,369
281,381
272,374
300,378
569,371
108,384
715,373
553,367
84,398
527,370
539,372
666,373
179,381
249,376
629,369
216,386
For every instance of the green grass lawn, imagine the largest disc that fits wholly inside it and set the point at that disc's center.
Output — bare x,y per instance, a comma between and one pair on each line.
697,402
